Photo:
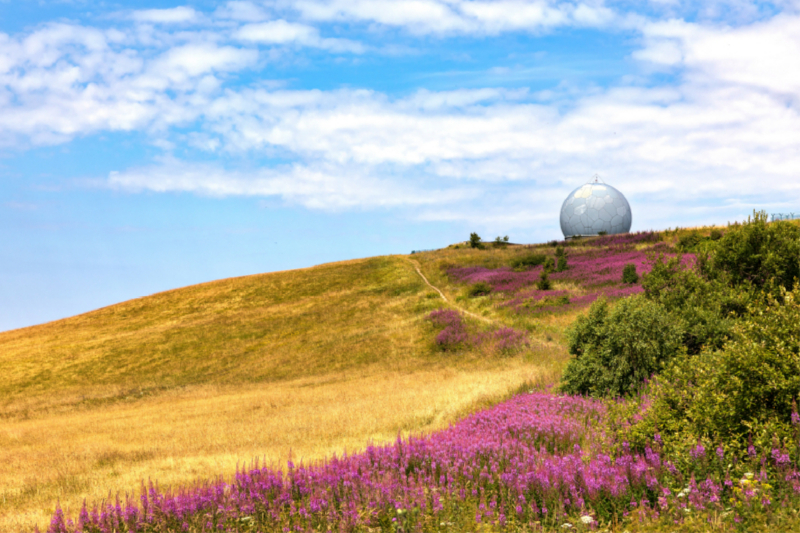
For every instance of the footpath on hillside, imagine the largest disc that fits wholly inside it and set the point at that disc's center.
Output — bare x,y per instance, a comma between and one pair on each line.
479,317
491,321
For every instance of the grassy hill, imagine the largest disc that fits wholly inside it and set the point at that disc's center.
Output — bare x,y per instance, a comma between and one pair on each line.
186,387
186,384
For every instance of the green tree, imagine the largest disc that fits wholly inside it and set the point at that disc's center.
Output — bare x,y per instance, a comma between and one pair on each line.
475,240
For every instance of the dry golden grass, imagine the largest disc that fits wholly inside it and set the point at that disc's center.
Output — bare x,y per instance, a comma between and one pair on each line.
184,437
269,327
181,386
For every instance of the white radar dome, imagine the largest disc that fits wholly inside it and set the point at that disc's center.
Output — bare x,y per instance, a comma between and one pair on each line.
593,208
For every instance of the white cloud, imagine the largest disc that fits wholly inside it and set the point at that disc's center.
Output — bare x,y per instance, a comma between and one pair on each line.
764,55
176,15
65,80
456,16
322,186
283,32
241,11
192,60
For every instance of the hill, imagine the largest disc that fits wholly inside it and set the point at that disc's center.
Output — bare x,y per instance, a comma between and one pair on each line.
689,345
186,384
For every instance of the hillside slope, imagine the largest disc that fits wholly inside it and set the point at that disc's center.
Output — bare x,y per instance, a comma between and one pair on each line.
187,384
251,329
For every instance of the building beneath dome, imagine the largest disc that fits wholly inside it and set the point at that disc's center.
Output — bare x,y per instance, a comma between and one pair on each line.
595,208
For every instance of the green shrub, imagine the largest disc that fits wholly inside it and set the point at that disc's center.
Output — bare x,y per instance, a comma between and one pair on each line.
758,253
715,235
544,284
687,242
561,265
629,274
527,261
743,391
549,264
479,289
616,350
706,310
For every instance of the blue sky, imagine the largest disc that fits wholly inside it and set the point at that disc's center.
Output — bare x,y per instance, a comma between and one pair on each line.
151,145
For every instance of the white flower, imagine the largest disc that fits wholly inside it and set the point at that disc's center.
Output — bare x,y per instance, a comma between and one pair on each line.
567,526
586,519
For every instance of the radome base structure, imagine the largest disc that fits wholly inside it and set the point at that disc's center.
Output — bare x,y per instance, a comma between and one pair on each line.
594,208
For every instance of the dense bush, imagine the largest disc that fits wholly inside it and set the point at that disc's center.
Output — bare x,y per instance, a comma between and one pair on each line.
740,320
616,350
705,310
758,253
743,391
629,274
688,242
527,261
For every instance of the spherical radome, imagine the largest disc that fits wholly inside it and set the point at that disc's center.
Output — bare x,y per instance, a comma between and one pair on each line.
593,208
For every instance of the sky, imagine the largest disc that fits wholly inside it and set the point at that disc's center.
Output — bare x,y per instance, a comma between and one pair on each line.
150,145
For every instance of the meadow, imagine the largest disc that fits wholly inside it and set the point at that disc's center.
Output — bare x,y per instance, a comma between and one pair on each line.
355,397
185,385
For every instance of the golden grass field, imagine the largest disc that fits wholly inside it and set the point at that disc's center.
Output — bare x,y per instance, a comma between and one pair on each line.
183,386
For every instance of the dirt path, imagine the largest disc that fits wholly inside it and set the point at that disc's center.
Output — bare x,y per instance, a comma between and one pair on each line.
479,317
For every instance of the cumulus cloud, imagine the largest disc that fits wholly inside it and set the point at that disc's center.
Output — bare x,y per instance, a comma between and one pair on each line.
456,16
283,32
65,80
764,55
174,15
241,11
